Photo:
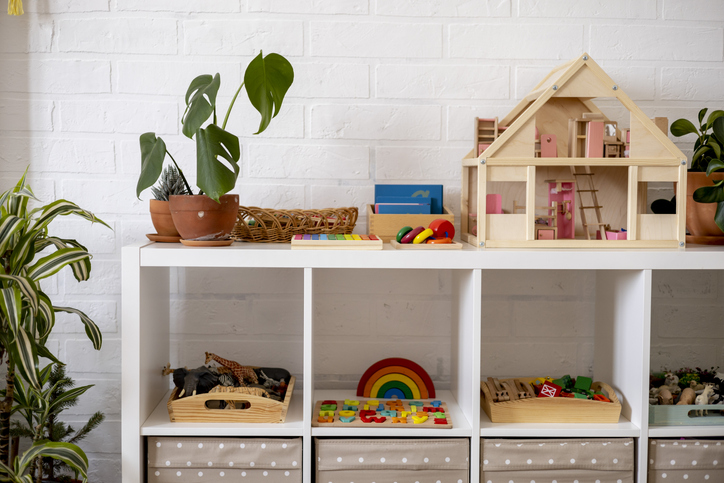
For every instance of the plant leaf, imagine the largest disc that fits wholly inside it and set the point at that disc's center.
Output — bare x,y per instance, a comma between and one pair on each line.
9,225
69,454
713,116
68,396
62,208
27,287
91,329
682,127
702,113
46,314
718,129
53,263
45,352
200,102
719,216
699,152
267,81
714,165
214,178
23,251
153,152
25,355
710,194
82,268
12,305
716,148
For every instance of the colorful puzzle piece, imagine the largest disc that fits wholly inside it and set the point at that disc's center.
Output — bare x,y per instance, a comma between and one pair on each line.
419,419
346,419
381,413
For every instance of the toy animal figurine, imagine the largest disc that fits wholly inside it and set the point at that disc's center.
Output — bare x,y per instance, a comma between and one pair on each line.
665,397
671,379
687,397
703,398
195,381
243,374
696,386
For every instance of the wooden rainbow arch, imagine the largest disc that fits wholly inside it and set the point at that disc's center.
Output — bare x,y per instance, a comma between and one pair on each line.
396,377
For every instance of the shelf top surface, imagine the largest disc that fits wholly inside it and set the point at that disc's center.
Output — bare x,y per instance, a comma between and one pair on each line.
277,255
623,429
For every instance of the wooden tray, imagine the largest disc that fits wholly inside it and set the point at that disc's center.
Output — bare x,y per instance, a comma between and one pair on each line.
387,423
686,415
424,246
192,409
552,410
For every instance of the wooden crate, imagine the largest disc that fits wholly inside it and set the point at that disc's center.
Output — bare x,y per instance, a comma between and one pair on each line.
552,410
192,409
387,226
679,415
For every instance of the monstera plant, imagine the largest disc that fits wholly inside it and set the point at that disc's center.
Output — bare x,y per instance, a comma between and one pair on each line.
28,255
267,80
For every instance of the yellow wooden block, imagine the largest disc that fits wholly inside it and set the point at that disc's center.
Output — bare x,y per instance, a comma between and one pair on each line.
366,408
419,419
325,414
346,414
350,402
356,237
404,414
373,402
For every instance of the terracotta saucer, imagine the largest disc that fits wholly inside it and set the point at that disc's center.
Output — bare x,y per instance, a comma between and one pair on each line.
163,238
207,243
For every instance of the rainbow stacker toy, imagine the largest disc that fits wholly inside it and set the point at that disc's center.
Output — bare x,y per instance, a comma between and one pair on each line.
336,242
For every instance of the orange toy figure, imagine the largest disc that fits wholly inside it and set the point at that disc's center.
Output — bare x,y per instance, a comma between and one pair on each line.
242,373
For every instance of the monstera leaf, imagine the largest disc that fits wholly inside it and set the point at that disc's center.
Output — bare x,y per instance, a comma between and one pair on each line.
200,102
214,177
267,81
153,151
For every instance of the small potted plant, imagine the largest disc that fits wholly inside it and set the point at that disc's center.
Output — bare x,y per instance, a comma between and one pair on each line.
211,215
171,183
704,185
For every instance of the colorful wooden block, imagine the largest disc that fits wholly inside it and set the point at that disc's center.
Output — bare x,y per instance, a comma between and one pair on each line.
550,390
440,421
583,383
349,408
350,402
419,419
346,414
399,420
388,413
436,403
325,419
346,419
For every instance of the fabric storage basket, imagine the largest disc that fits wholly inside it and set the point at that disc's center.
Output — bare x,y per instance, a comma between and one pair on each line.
690,461
392,460
562,460
206,460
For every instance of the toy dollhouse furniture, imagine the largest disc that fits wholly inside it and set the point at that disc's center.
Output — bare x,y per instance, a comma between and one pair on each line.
561,107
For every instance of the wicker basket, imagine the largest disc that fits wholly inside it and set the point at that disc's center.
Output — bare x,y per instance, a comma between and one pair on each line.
279,226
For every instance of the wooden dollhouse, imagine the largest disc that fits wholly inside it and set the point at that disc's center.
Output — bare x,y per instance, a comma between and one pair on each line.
567,176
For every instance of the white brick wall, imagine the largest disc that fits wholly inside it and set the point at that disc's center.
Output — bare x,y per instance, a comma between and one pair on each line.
385,90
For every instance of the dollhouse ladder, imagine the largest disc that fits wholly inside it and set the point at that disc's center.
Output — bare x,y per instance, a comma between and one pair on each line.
486,131
579,176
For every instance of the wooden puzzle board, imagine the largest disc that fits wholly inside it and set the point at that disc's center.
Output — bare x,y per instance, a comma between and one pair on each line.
388,421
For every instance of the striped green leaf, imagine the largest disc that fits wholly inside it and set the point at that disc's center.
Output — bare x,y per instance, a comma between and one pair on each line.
68,453
23,252
9,474
47,315
28,288
91,329
68,396
4,197
81,269
21,396
24,353
53,263
45,352
9,225
45,374
61,208
12,305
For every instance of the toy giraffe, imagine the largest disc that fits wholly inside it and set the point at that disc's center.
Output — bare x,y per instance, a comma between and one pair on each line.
240,372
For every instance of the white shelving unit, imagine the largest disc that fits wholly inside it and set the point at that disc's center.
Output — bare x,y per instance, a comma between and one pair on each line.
621,348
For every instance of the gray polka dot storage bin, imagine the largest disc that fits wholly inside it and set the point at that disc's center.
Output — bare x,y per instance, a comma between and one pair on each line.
392,460
686,461
560,460
204,460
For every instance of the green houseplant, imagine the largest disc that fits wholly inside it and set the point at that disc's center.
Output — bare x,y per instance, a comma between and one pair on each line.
705,186
29,254
212,213
171,183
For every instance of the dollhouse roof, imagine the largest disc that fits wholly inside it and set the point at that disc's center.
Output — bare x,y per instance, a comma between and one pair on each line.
580,80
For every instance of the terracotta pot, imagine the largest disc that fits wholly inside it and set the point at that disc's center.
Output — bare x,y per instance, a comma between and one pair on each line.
700,216
161,218
198,217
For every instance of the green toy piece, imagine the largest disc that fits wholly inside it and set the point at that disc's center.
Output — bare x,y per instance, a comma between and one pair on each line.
403,231
584,383
565,382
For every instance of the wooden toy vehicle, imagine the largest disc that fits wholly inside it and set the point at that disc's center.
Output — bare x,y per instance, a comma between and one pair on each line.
558,133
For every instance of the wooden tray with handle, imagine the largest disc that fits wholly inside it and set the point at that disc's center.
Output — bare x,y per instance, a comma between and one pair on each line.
243,405
546,409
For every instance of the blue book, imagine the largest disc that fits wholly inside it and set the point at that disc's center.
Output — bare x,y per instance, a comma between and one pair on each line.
403,200
402,209
413,192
